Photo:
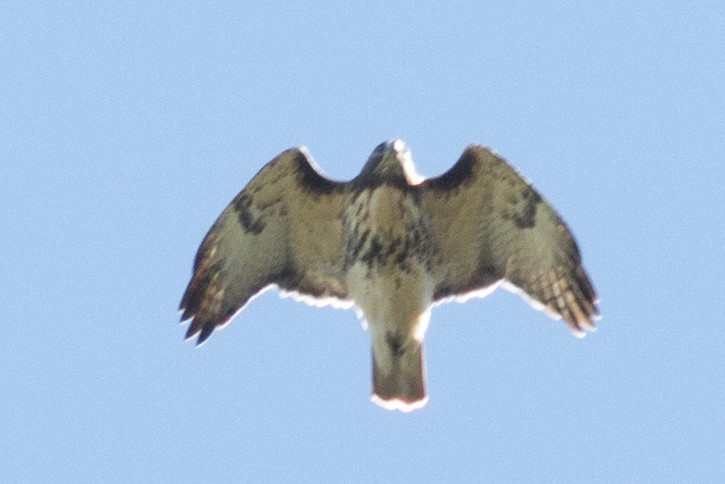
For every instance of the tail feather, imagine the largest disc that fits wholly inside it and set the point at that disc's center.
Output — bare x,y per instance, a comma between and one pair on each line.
400,385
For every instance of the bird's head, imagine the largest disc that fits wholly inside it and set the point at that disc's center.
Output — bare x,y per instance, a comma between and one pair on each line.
391,162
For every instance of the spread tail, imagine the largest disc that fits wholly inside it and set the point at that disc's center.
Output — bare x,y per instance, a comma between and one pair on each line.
398,379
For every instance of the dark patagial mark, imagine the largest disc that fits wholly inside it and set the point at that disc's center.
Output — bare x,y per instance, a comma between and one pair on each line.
311,180
526,218
252,223
459,173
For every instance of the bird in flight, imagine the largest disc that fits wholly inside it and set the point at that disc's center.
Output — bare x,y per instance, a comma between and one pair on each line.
392,244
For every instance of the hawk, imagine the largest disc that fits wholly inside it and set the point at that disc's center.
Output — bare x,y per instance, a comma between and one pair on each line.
392,244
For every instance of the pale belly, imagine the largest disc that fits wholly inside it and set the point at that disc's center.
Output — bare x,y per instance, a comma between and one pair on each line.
394,303
389,266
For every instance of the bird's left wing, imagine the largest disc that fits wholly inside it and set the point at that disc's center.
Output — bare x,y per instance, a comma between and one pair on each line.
284,228
489,226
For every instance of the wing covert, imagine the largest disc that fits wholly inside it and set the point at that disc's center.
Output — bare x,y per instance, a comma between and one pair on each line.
492,226
283,228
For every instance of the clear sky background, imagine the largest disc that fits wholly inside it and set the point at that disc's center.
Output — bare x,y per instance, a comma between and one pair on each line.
125,129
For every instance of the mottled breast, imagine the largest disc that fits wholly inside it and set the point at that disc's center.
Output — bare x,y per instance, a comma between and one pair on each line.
386,228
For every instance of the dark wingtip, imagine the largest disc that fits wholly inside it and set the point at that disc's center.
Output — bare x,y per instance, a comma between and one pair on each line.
206,331
191,331
186,315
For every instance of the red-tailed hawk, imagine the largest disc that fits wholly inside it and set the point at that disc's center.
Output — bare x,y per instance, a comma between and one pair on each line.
392,244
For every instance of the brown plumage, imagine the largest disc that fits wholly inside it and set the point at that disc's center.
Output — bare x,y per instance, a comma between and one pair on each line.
392,244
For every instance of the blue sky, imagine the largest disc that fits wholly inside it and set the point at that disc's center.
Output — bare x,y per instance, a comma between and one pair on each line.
126,128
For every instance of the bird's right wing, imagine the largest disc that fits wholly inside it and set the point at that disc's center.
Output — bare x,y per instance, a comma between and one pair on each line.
284,228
